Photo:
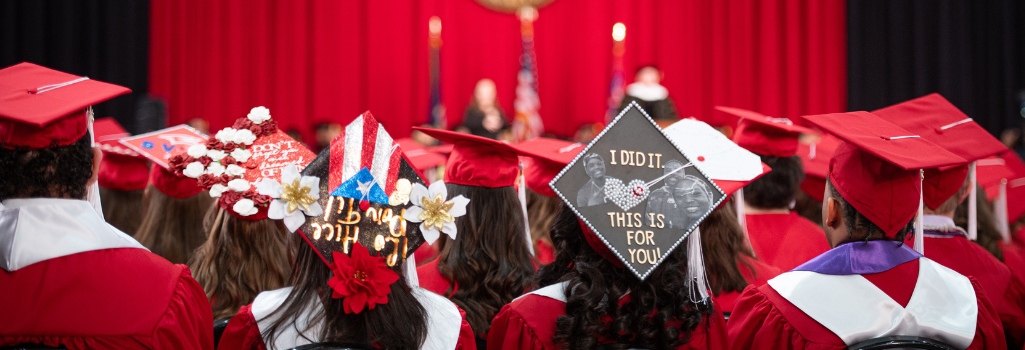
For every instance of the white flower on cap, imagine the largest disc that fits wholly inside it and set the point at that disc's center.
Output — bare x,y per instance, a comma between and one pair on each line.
295,197
216,155
245,207
235,170
215,169
429,210
217,190
194,170
259,115
226,135
238,185
241,155
197,150
243,136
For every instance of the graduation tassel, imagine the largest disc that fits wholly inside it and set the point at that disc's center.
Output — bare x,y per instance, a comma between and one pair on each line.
696,271
973,224
94,190
738,203
919,228
409,271
522,194
1000,212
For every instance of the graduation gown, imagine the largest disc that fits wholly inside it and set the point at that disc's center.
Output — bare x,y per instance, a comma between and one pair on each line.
785,240
446,324
70,279
873,290
759,275
529,323
945,244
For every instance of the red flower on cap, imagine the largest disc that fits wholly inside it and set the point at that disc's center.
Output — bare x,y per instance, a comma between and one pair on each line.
362,280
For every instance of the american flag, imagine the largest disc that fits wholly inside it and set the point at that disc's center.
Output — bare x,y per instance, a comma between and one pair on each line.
527,123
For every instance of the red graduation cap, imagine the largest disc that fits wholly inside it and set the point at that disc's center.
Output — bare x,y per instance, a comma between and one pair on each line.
875,168
121,169
937,120
44,108
477,161
765,135
545,158
815,160
421,157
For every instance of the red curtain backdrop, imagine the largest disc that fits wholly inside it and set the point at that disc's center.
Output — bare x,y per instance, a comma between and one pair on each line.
313,61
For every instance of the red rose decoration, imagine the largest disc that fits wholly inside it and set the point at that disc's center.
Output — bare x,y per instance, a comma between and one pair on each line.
261,199
242,123
256,130
205,160
228,199
206,181
228,160
224,179
180,161
269,127
212,143
230,146
362,280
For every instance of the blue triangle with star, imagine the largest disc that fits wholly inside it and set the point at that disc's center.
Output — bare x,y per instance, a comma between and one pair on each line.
361,186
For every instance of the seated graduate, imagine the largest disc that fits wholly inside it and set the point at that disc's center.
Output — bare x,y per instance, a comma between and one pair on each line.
68,278
490,262
122,177
245,252
874,285
546,158
618,280
353,246
729,262
172,226
939,121
648,93
779,236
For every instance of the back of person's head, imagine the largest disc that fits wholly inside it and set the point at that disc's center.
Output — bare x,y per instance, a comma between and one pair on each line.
123,209
489,260
659,315
541,212
400,323
172,227
988,235
722,245
858,226
240,259
778,188
58,172
952,203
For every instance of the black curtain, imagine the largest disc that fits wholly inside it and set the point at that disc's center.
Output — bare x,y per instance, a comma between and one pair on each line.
970,51
104,40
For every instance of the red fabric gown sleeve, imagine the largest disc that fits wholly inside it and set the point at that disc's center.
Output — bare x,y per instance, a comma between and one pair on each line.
509,330
242,333
466,340
989,334
714,335
188,321
757,323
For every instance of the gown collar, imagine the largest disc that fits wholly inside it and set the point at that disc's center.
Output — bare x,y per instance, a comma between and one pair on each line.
860,258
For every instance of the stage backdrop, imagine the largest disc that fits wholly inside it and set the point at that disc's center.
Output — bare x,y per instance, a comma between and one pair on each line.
314,61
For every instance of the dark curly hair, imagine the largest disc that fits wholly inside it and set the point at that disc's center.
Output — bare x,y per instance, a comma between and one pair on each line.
489,259
777,188
659,315
60,172
857,222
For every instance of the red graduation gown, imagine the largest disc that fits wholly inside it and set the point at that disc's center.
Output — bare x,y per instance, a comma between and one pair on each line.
762,273
529,323
785,240
122,298
1001,287
431,279
766,320
1014,258
545,253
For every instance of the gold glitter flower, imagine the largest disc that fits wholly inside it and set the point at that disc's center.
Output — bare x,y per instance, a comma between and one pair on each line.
296,195
436,211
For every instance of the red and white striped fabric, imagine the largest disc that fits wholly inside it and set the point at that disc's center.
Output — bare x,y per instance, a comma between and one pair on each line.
366,145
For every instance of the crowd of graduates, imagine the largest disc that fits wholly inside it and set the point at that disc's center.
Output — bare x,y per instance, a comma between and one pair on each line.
821,232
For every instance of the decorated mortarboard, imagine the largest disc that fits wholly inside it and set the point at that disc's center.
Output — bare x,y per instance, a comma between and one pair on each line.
815,161
44,108
876,167
230,163
765,135
636,193
365,237
159,146
544,159
122,169
730,166
477,161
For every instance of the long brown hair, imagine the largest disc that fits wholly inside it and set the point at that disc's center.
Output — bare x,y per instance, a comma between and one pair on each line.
240,259
541,213
122,209
988,236
401,323
722,246
172,227
488,260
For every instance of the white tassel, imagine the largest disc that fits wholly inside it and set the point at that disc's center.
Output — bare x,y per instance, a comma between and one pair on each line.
523,204
973,210
1000,212
738,203
94,190
410,271
696,268
919,226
